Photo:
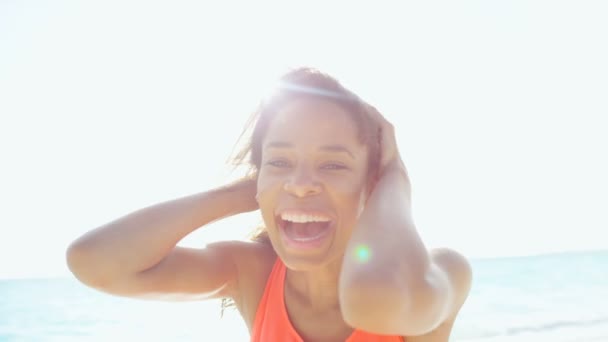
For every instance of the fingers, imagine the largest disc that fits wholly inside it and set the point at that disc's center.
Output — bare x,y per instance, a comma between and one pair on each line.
387,130
389,153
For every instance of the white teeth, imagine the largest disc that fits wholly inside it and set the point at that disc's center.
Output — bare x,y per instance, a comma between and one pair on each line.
298,218
307,239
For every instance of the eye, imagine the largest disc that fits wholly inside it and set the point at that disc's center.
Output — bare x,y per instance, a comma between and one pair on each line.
333,166
280,163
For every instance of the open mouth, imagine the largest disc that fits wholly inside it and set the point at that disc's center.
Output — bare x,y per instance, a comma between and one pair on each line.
304,231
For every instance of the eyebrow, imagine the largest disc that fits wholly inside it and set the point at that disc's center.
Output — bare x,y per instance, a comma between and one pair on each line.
334,148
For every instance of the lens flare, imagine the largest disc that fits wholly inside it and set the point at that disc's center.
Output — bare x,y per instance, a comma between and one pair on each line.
362,253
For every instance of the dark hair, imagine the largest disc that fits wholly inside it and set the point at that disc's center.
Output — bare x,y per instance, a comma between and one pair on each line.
302,83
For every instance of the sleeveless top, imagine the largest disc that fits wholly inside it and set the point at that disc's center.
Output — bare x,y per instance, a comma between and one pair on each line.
272,323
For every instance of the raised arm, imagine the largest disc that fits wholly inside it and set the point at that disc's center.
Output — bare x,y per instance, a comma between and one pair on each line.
136,255
399,287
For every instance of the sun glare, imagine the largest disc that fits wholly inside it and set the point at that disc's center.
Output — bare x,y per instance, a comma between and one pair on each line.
362,253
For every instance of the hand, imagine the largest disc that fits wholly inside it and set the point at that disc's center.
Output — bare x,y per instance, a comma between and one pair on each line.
389,153
390,158
246,188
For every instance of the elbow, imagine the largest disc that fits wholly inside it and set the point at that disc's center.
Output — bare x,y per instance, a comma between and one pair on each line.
83,264
74,257
392,310
78,261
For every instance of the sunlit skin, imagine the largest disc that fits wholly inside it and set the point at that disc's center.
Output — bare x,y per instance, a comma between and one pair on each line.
369,270
299,171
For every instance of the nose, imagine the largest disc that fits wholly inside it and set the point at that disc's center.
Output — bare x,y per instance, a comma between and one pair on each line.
302,183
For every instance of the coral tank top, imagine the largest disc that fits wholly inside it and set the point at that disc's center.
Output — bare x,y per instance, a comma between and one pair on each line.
272,322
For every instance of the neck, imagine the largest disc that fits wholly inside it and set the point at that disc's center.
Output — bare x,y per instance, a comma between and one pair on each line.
317,289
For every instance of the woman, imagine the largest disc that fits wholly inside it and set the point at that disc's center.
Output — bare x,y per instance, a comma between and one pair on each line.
339,258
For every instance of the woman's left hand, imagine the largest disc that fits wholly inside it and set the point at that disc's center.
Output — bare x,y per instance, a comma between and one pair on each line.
389,153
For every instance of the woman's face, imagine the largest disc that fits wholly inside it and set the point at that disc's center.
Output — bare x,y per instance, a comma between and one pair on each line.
311,182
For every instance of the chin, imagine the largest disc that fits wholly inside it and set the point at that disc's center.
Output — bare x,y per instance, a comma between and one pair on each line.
304,264
305,260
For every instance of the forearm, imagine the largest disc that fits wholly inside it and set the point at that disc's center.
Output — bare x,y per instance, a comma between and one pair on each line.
143,238
385,247
401,288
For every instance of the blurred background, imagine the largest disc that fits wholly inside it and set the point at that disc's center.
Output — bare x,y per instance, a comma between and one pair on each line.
106,107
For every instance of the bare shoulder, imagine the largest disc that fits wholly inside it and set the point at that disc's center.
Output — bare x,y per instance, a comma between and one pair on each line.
254,261
251,258
459,273
440,334
457,268
241,250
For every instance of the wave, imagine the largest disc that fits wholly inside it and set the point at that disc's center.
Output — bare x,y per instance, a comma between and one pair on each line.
543,328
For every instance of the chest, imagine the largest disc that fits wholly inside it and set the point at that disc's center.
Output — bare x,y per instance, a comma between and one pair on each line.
328,326
310,325
296,321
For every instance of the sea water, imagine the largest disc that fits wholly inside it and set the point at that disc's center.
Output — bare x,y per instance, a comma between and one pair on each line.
557,298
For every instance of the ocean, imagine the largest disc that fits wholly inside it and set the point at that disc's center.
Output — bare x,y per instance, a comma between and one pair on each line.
557,298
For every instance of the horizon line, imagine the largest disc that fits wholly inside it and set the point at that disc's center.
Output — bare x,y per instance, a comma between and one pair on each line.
67,275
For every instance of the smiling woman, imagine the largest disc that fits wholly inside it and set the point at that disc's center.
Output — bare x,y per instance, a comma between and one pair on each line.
339,257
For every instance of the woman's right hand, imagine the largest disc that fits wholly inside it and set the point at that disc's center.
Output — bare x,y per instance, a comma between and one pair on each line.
246,188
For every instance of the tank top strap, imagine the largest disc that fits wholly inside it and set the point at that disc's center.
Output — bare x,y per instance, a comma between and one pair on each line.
271,320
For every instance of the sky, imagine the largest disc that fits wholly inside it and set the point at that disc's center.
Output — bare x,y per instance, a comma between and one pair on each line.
498,106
